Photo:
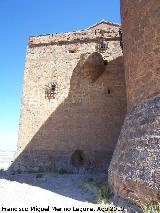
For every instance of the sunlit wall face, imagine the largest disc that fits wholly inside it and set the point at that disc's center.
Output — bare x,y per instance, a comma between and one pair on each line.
21,19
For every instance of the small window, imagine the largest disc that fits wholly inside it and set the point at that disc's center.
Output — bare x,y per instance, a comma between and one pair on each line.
77,158
102,46
50,91
109,91
74,50
105,62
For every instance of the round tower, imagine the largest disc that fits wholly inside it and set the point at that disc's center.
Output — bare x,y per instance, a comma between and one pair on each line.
134,170
141,48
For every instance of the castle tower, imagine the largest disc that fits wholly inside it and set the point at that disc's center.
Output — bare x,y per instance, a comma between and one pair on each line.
74,100
134,170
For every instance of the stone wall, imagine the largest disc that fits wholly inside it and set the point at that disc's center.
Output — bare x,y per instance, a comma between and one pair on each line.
134,170
109,30
140,25
84,117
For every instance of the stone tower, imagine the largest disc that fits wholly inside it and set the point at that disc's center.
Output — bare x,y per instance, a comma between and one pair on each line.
134,171
74,100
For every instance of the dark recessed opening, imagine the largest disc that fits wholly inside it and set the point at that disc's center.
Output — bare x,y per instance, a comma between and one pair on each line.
105,62
103,46
53,87
72,50
77,158
109,91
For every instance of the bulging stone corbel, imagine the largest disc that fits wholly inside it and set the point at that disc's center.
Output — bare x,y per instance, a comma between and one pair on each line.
92,66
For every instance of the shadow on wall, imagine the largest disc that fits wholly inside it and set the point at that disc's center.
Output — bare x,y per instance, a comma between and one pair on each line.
80,135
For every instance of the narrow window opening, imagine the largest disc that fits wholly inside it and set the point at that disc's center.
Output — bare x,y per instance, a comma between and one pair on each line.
109,91
102,46
105,62
50,91
72,50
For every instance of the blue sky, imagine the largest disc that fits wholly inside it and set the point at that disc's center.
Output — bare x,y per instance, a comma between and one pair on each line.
18,20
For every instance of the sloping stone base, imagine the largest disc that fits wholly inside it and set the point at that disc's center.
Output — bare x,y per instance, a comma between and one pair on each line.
134,171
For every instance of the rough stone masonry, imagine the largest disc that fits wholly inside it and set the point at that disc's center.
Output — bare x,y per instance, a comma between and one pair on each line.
76,93
134,172
74,100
